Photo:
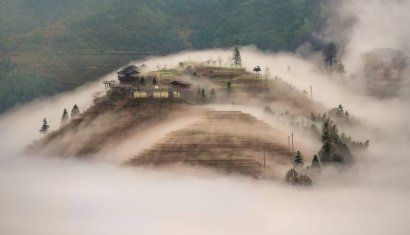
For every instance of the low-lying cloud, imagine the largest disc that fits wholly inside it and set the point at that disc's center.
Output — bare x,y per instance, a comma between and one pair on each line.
46,196
56,196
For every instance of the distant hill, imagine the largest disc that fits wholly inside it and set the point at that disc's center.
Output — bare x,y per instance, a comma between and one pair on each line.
157,26
44,37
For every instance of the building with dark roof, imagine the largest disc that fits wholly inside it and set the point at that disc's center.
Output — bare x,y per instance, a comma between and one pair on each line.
128,74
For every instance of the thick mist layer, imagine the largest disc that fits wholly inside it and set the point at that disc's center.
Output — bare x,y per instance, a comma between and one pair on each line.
69,197
360,26
44,196
54,196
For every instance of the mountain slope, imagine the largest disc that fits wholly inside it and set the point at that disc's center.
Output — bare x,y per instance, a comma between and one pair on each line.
68,43
160,26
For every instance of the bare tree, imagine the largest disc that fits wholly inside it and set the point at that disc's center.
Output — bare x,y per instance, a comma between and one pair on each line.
220,61
267,73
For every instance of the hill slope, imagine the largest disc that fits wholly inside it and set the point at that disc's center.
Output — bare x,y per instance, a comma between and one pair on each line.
156,26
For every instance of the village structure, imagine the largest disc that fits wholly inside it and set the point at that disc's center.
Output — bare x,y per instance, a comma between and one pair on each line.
131,81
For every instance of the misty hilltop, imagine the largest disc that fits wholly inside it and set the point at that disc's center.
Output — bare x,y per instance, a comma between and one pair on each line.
204,117
194,114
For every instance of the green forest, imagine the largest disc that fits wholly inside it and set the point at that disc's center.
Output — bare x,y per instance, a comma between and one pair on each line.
51,29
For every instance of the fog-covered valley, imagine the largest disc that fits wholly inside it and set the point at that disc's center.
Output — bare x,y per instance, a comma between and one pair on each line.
51,193
48,195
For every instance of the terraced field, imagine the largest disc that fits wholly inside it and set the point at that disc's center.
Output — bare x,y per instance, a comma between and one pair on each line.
106,124
229,141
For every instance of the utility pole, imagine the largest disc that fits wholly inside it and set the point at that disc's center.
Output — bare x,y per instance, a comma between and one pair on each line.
289,143
293,149
311,92
259,168
264,158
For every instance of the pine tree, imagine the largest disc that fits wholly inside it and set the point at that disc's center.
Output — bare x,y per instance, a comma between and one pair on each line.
333,148
315,163
330,55
44,127
75,112
340,112
237,60
325,152
203,95
213,94
64,117
298,162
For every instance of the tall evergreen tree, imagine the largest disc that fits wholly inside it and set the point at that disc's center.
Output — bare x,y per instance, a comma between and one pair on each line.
298,162
315,162
333,148
64,117
325,152
330,54
44,127
75,111
237,60
203,95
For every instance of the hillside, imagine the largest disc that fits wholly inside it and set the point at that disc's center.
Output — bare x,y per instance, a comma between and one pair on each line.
156,26
231,141
72,42
202,125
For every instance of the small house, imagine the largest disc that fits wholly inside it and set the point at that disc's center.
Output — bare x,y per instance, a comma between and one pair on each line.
180,85
128,74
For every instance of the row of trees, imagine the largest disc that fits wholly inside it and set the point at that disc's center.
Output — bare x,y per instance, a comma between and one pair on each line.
341,117
330,58
75,112
237,60
339,114
334,150
202,96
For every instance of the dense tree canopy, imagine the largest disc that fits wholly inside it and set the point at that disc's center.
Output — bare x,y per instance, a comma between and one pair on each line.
333,149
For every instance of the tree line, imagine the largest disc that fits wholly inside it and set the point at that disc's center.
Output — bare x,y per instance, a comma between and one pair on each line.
75,112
